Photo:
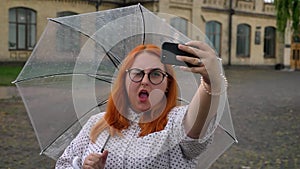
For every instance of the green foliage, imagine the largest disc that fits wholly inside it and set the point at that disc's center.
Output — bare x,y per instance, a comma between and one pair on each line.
287,10
8,73
296,15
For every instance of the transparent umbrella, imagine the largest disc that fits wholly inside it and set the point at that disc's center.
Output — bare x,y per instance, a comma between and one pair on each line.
69,74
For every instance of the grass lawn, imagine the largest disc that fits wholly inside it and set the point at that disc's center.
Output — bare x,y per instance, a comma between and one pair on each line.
9,73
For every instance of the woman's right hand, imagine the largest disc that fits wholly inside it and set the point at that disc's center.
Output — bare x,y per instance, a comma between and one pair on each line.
95,161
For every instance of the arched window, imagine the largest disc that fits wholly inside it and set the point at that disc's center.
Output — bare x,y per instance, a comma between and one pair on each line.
269,42
68,40
213,32
22,29
180,24
243,40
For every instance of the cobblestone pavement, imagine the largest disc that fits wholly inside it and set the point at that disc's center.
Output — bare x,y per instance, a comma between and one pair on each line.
265,109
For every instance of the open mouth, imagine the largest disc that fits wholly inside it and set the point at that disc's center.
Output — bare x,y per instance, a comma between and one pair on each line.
143,95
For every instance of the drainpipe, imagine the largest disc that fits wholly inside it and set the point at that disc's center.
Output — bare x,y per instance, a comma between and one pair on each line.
231,12
98,3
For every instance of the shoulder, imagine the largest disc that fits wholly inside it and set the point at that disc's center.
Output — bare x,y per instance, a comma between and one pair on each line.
177,112
97,117
94,119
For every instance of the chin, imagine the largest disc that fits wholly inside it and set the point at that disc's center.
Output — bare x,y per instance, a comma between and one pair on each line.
142,108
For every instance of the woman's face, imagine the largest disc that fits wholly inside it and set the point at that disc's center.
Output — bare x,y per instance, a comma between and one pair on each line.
144,95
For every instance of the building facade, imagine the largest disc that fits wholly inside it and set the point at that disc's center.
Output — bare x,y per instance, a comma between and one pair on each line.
242,31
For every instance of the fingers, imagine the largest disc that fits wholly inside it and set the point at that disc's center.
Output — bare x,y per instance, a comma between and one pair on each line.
206,63
104,157
200,45
193,50
91,161
194,61
198,48
95,161
200,70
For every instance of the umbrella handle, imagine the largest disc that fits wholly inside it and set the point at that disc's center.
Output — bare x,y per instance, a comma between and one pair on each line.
75,163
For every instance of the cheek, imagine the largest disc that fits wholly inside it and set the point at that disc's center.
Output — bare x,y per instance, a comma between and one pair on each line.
157,95
164,85
127,85
130,86
161,88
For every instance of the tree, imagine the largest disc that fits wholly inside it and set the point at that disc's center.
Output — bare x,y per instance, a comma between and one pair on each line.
288,10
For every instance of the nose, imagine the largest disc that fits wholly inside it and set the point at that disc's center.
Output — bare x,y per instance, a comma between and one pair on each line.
145,80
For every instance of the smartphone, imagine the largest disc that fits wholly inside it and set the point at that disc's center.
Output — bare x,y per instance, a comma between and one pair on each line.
169,52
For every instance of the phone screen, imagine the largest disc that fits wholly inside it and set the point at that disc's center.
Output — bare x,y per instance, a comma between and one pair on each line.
169,52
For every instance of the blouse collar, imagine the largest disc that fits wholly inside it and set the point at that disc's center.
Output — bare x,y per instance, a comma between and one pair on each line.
133,116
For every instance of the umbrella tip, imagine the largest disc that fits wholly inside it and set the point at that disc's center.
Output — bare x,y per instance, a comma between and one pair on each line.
236,141
13,82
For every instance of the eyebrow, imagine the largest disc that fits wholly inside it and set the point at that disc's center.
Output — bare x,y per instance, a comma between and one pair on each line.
156,68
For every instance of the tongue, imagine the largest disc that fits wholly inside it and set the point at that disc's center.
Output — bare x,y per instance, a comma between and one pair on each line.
143,97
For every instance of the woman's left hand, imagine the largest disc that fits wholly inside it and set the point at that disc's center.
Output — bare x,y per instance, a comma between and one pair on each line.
206,62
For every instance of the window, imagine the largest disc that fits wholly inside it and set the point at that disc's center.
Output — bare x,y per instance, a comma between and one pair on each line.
180,24
243,40
22,29
269,42
68,40
269,1
65,13
213,32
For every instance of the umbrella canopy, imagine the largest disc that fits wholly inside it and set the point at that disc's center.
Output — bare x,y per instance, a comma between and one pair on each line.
69,74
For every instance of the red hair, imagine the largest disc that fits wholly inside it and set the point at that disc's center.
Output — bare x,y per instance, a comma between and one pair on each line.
118,100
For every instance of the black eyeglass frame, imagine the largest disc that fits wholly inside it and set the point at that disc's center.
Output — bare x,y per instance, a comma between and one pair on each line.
164,74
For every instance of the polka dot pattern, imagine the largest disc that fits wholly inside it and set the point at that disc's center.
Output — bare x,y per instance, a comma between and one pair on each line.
169,148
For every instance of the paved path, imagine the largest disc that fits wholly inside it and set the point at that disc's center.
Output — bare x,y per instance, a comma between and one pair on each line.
265,110
7,92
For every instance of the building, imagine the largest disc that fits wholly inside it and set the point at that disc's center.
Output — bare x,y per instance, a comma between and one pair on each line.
242,31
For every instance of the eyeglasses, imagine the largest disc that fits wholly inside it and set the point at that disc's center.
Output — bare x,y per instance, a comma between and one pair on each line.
155,76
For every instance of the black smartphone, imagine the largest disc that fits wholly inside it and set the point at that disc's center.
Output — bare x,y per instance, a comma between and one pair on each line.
169,52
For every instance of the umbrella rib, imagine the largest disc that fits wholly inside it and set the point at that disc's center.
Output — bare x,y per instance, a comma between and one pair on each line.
182,100
143,19
63,74
85,34
90,37
227,132
73,123
110,56
96,77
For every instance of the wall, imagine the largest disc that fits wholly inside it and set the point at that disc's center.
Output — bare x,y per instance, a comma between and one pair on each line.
45,9
197,12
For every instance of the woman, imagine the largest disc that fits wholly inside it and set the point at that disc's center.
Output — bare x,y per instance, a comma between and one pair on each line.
142,126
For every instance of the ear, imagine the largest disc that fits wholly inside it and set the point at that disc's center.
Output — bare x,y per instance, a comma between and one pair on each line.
167,90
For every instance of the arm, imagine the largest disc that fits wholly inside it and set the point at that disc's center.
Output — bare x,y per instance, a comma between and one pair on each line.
204,105
197,115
